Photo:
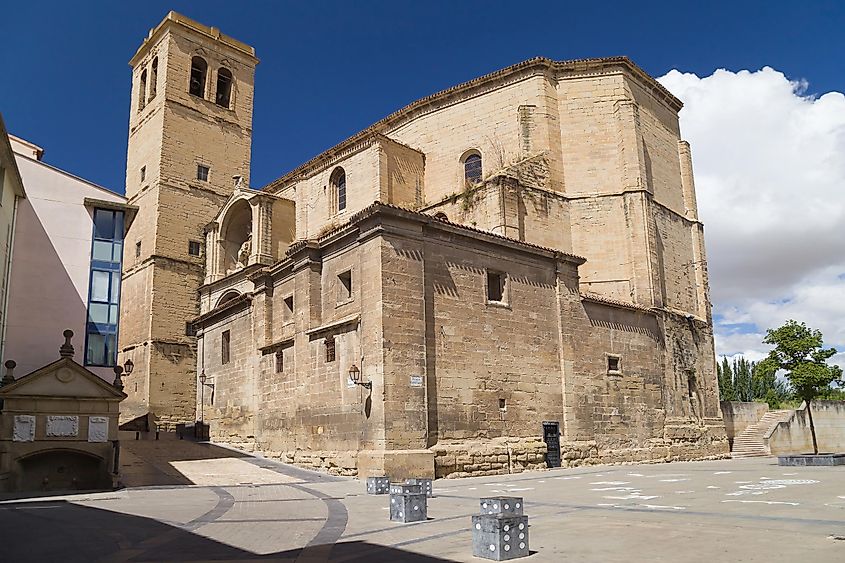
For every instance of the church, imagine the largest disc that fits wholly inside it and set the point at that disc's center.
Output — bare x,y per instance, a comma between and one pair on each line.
516,255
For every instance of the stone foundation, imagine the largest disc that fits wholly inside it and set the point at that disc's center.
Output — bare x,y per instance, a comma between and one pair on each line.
497,456
683,440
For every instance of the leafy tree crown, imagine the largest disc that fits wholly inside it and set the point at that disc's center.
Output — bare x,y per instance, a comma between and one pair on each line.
799,351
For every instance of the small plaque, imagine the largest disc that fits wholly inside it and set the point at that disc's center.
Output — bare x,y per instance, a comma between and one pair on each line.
24,430
62,426
416,381
98,429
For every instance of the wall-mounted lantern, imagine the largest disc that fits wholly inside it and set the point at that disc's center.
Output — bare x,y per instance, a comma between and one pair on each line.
355,377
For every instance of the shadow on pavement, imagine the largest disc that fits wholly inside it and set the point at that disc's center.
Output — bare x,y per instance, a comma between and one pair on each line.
63,531
147,463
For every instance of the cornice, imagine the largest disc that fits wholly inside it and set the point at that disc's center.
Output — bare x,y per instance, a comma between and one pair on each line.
174,19
244,300
538,66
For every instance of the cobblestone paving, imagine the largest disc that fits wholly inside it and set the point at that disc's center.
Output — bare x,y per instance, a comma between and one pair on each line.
249,508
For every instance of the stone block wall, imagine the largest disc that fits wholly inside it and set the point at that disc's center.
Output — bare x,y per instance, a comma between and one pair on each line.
169,136
740,415
457,379
794,437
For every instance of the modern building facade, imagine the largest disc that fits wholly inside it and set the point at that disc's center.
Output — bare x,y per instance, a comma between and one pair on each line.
11,192
418,300
65,266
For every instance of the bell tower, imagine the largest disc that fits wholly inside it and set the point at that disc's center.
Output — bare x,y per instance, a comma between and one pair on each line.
190,132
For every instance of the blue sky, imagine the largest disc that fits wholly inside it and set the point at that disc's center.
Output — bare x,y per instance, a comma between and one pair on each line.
768,134
330,69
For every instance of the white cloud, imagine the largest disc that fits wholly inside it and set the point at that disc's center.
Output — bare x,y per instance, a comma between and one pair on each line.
770,178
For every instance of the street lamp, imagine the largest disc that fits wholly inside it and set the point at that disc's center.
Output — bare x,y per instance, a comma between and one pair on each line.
355,377
203,378
128,366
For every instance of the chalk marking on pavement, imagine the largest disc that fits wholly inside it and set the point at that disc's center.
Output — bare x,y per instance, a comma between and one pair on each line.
764,502
615,489
656,507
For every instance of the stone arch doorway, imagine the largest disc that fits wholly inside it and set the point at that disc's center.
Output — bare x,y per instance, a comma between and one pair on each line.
63,470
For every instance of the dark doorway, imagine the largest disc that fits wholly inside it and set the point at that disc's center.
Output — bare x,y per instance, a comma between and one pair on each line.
551,436
63,470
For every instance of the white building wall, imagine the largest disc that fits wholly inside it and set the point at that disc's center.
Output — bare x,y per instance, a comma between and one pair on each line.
51,265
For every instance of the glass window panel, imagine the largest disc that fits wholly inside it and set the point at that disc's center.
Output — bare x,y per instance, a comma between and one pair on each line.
102,251
117,253
113,312
103,224
115,287
100,286
118,225
109,352
98,313
341,193
96,353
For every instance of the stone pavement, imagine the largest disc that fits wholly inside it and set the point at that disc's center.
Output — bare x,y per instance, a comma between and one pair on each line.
245,508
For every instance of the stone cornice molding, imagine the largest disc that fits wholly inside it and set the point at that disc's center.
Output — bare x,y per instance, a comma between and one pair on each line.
239,302
174,19
539,66
355,144
601,299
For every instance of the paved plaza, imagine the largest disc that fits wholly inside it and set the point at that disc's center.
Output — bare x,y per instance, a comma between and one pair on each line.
210,503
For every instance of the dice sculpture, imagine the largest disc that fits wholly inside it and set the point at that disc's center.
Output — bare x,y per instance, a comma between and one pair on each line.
500,532
426,484
407,503
378,485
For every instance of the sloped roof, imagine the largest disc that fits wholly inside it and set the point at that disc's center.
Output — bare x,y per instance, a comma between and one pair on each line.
80,382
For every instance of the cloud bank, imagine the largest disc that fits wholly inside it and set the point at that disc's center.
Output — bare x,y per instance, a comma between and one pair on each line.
769,163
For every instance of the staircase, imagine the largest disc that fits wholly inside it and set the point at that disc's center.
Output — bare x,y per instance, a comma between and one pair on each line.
750,442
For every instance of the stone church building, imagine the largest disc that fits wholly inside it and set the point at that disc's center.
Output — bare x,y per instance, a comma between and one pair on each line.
419,299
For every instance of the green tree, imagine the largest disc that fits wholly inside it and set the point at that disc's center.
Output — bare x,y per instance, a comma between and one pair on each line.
726,381
799,351
743,379
767,386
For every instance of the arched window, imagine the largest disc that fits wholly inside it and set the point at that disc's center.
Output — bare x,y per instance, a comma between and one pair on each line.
154,78
338,183
228,296
198,70
224,87
142,90
472,167
442,216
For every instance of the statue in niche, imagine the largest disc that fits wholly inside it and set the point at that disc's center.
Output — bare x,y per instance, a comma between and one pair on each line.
244,252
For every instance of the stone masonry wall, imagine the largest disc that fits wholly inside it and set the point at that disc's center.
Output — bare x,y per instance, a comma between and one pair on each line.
490,372
169,136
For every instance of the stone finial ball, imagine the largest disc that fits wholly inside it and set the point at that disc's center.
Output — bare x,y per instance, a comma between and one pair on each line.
10,364
68,333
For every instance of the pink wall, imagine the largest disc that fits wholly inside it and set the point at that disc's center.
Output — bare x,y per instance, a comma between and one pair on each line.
48,290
